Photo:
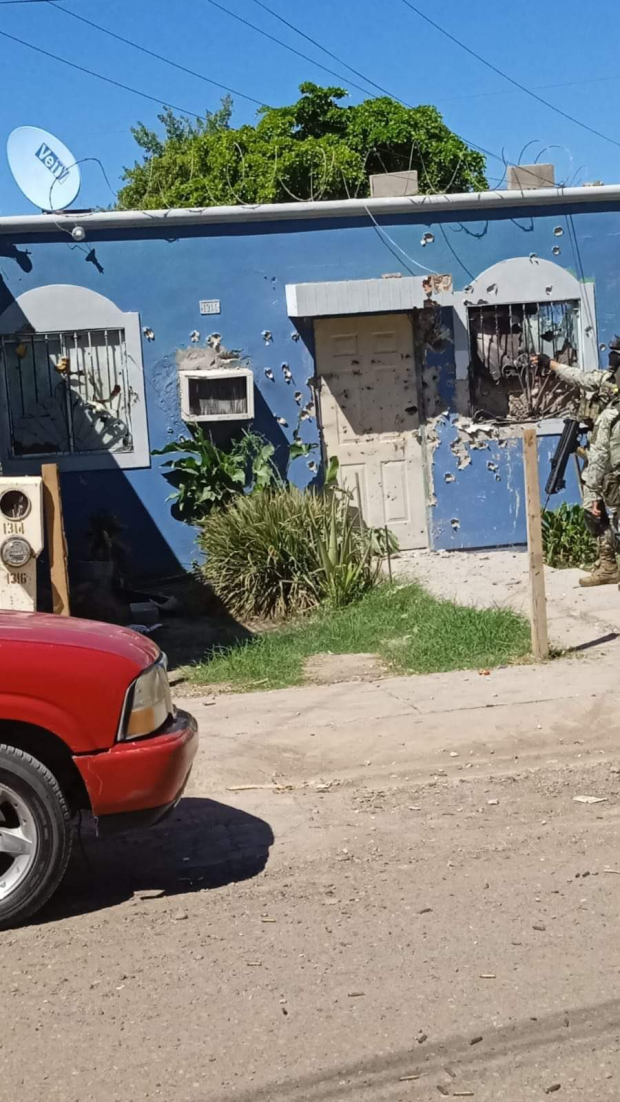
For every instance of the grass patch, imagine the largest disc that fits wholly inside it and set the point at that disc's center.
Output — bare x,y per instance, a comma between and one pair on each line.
409,629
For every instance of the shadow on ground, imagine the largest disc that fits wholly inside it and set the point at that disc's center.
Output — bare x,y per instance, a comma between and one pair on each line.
202,625
199,626
203,844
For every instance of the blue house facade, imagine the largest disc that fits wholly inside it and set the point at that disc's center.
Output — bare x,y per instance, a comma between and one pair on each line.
394,334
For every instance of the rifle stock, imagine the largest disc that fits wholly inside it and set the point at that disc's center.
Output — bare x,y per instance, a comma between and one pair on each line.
567,446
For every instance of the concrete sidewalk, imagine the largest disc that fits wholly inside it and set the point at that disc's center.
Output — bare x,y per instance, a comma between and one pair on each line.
374,731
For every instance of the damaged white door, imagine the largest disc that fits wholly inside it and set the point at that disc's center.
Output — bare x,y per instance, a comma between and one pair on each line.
370,419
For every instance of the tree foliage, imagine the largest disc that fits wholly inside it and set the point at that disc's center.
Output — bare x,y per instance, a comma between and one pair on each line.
313,149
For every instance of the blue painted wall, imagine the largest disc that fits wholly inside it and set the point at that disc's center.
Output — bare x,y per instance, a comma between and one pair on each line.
483,505
164,273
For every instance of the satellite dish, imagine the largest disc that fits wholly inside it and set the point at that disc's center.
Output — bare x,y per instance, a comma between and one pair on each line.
43,168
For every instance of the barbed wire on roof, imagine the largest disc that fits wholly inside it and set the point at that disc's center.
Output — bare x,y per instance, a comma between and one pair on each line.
389,240
75,164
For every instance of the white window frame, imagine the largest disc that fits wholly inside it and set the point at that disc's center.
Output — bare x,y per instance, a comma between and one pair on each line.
62,308
528,279
185,377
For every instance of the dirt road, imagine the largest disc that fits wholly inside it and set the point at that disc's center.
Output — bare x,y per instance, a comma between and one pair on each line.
417,908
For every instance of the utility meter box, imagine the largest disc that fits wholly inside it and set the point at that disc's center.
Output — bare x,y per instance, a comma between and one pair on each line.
21,541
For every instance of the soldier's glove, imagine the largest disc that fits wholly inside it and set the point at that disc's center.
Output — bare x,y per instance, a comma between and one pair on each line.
596,523
544,362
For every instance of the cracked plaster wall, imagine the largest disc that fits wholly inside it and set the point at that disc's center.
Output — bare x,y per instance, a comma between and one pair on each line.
478,484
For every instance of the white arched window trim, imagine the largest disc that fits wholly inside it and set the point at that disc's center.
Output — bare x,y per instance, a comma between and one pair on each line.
69,310
530,279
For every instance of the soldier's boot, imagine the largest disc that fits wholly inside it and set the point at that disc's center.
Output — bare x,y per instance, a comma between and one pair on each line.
606,570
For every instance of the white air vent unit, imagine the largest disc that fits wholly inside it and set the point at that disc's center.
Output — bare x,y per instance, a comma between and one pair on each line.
219,395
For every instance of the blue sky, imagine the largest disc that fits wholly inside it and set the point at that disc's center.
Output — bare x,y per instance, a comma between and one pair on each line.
564,49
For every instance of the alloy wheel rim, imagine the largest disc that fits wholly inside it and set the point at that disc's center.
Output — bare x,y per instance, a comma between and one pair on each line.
18,841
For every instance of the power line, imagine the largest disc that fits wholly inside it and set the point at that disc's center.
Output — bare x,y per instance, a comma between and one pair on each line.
291,49
501,73
324,49
538,87
144,50
100,76
363,76
161,102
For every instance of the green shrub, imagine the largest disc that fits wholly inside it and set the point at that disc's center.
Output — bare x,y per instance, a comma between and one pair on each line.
286,551
566,540
204,475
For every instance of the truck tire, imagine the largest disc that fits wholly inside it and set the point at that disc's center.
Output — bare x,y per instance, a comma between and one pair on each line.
35,835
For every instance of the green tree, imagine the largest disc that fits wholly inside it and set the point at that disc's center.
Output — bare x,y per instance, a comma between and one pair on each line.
314,149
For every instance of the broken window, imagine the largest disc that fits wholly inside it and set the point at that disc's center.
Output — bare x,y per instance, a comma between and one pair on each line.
505,386
67,393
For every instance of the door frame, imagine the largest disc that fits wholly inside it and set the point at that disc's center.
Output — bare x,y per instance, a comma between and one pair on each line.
409,314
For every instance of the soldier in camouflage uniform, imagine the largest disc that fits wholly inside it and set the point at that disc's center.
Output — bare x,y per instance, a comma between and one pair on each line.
601,492
598,410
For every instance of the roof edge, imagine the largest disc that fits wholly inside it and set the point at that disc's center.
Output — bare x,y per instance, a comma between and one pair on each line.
336,208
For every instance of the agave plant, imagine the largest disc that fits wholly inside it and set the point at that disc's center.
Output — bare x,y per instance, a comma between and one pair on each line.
345,552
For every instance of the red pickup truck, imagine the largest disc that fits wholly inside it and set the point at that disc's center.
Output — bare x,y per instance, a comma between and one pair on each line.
86,723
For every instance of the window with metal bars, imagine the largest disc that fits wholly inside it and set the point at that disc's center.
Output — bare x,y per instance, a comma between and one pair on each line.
68,393
505,385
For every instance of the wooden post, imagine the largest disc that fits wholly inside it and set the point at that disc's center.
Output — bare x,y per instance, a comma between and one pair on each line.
538,602
56,543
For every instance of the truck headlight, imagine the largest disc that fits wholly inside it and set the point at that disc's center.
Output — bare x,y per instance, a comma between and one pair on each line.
148,703
15,552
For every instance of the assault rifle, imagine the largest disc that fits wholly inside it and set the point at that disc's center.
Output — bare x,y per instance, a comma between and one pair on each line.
567,446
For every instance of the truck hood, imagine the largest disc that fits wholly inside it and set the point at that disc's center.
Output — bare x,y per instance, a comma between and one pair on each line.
60,631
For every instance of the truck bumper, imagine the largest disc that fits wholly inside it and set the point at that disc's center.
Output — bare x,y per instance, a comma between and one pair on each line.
137,782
